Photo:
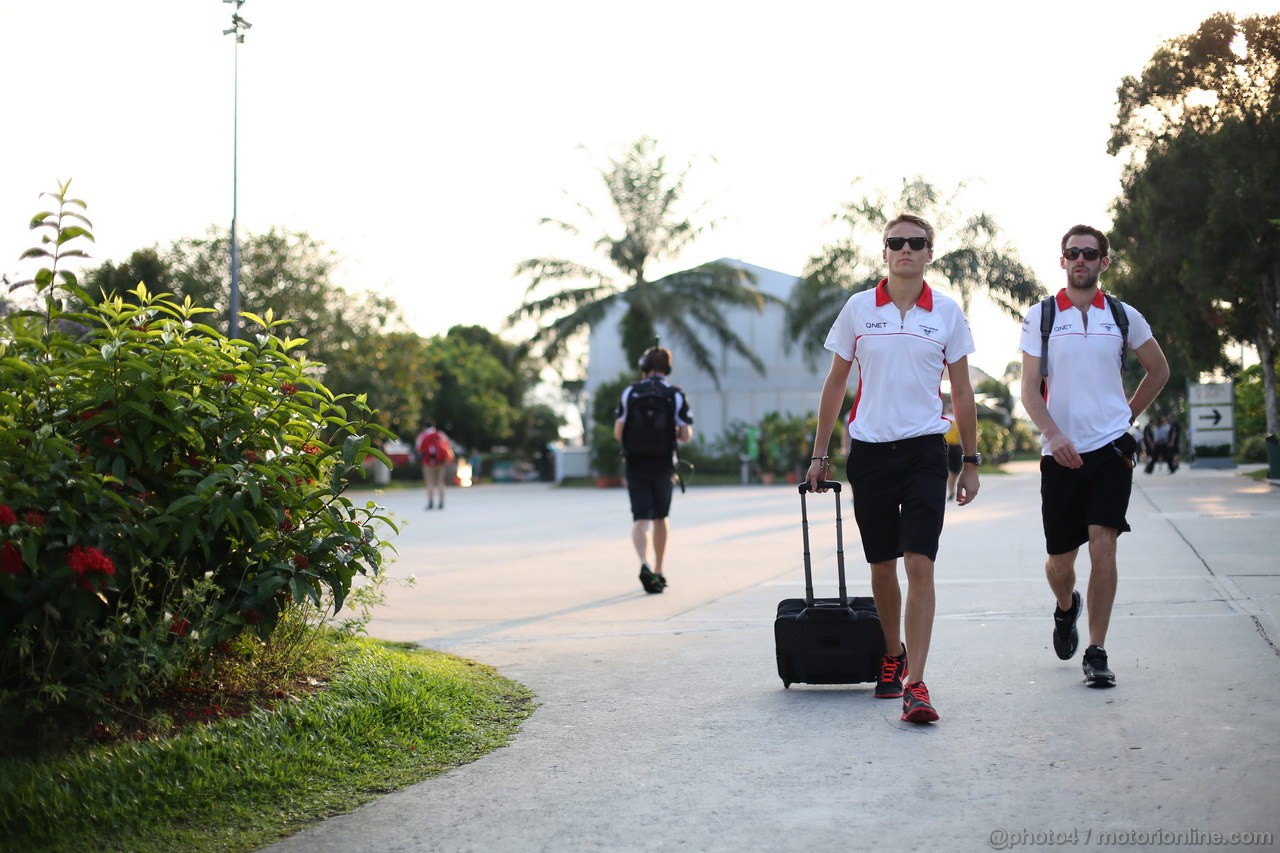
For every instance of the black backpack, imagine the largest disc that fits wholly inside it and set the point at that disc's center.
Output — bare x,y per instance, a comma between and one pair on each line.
650,427
1049,308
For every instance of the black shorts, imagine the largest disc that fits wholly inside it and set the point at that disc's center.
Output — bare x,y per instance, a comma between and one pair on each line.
649,486
955,459
899,495
1071,499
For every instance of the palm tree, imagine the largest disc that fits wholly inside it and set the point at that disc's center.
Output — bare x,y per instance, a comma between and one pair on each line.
566,298
977,261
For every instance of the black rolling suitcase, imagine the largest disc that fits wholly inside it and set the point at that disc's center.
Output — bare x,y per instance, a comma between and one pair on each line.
827,640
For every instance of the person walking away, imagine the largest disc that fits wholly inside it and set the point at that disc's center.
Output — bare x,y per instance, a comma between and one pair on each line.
436,452
904,336
1149,444
1175,443
1086,466
1160,445
651,418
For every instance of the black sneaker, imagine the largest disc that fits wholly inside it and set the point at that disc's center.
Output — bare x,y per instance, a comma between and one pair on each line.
892,671
1096,673
1065,638
916,707
652,583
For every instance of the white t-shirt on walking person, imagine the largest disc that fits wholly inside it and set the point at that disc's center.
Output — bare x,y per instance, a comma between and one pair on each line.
1085,391
899,361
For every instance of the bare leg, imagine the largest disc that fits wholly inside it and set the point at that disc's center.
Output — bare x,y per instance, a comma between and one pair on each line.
921,603
660,530
1103,580
640,539
888,596
1060,569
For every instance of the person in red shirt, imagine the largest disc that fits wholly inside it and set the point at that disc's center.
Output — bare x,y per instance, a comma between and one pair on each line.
436,452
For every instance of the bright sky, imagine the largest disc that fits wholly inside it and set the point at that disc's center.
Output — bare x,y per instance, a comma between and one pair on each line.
423,141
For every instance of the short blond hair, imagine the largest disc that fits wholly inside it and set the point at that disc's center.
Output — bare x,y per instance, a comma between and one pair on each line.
914,220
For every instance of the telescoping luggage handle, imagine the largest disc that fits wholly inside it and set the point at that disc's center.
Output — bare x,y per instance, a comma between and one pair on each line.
804,523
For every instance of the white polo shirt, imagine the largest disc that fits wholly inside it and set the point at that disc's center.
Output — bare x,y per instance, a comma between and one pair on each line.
1084,390
900,361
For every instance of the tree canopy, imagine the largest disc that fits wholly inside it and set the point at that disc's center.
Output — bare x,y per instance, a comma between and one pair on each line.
566,297
970,254
469,379
1199,134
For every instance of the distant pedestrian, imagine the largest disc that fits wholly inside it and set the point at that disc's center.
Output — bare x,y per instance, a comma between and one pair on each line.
905,336
650,419
1161,432
1086,467
1175,443
436,453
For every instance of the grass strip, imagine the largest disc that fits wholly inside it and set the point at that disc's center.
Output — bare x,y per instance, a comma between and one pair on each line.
390,717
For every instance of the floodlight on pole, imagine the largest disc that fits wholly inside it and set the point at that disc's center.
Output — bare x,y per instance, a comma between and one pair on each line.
237,28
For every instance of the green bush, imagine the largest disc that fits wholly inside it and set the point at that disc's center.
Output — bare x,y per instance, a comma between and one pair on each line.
606,451
994,441
1253,449
721,456
163,488
1212,451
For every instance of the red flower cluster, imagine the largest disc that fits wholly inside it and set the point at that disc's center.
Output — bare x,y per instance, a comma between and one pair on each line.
34,518
302,561
84,560
10,559
227,379
310,448
179,627
7,515
288,389
251,456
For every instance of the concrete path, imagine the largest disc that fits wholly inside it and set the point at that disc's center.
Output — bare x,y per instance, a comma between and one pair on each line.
662,723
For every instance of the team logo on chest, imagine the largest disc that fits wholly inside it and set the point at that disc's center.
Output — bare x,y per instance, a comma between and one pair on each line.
928,330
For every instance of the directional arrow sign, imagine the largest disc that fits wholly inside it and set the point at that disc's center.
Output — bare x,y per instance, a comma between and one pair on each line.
1210,418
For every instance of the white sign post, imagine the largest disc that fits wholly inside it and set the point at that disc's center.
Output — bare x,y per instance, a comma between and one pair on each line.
1211,423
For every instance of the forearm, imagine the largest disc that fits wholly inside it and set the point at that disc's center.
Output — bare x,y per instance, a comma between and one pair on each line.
829,404
1152,359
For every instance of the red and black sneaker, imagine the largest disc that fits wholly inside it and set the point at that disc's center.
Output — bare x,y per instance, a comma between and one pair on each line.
916,707
893,670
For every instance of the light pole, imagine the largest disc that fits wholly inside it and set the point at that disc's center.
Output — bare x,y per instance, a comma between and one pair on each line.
237,28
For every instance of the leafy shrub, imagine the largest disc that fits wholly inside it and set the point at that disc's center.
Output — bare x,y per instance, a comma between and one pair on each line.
1212,451
786,441
606,451
163,489
994,441
1253,449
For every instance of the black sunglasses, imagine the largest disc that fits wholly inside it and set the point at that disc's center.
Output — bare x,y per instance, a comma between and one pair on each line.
896,243
1089,254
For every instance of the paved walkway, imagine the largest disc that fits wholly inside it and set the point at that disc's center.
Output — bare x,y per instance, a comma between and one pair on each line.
663,725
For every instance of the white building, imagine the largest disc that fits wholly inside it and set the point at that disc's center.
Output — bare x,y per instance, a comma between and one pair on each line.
788,384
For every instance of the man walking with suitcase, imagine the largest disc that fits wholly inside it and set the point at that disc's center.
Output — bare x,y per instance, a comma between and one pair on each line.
1079,403
904,336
